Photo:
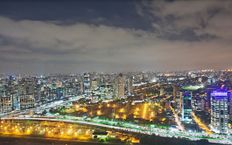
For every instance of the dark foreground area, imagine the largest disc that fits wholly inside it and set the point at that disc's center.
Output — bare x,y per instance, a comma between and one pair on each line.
145,140
40,141
156,140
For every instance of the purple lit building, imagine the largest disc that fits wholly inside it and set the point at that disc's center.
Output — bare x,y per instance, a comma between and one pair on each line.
219,111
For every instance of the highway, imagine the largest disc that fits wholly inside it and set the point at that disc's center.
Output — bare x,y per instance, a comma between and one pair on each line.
140,129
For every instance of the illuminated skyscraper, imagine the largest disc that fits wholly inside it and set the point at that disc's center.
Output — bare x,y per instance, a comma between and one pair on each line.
27,101
6,103
187,106
94,84
130,86
179,101
230,104
86,84
120,86
219,111
15,101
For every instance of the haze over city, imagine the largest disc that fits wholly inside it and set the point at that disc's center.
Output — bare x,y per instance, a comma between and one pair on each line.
106,36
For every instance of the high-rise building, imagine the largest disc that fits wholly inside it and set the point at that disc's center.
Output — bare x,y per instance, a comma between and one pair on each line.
86,84
219,111
30,87
178,101
186,107
15,101
81,84
27,101
59,93
120,86
130,86
94,84
6,102
198,102
230,104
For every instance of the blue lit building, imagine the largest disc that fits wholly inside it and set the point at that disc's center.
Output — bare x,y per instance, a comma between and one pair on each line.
230,104
59,93
219,111
186,107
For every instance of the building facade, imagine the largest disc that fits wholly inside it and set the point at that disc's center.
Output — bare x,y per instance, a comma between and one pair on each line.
219,111
186,112
119,86
86,84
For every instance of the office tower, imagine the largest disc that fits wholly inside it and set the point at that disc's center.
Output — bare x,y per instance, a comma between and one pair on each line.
86,84
27,101
59,93
198,102
130,86
219,111
179,102
186,107
120,86
94,84
15,101
230,104
6,102
30,87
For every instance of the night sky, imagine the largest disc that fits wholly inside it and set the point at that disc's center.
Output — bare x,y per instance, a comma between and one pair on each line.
48,36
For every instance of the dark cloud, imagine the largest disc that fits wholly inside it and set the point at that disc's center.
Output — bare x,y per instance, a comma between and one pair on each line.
124,36
186,35
184,20
118,13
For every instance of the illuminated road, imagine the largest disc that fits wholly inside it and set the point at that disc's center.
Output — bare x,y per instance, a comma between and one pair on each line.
201,124
135,128
46,129
177,120
54,129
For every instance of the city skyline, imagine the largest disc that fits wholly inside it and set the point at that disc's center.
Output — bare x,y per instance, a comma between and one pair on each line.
108,36
125,72
191,107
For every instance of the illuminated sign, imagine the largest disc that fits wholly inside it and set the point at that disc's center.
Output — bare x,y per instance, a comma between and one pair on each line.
219,94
